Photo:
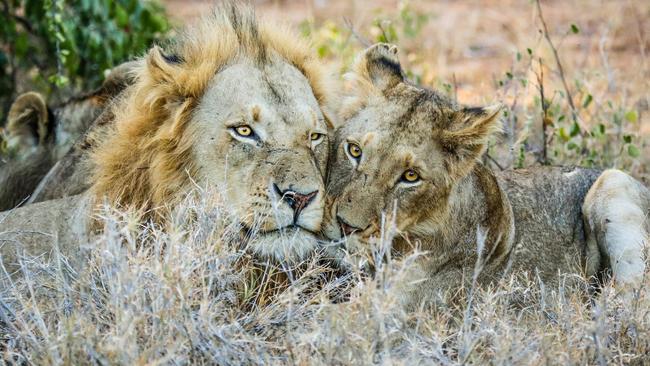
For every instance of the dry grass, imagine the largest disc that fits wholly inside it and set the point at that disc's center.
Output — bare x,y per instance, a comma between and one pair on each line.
190,293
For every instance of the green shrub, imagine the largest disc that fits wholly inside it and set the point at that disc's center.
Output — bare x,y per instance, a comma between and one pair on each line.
66,46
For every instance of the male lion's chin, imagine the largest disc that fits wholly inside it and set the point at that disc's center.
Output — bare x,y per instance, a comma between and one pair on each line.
288,245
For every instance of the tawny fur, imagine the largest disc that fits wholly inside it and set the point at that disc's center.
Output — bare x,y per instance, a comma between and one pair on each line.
617,220
37,136
174,131
146,160
460,213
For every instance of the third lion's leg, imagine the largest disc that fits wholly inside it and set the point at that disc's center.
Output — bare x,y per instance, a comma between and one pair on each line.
615,213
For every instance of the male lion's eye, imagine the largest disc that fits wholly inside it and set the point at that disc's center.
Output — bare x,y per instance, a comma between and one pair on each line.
410,176
315,136
354,150
244,131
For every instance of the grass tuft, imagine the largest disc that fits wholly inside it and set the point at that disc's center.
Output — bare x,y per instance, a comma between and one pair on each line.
190,293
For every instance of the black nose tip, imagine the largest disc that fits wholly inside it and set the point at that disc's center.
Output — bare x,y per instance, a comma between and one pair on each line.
297,201
346,229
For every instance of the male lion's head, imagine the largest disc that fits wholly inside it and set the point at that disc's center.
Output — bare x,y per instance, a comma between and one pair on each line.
236,105
400,149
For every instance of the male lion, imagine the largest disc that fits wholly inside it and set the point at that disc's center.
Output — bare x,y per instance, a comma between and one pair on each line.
233,104
36,136
412,155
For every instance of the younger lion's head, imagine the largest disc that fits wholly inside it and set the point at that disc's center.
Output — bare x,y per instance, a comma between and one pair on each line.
234,105
401,148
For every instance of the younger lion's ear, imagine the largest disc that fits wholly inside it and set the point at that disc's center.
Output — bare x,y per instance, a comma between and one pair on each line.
28,121
379,66
466,138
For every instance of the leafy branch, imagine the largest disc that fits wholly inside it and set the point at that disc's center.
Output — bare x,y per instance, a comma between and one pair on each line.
560,68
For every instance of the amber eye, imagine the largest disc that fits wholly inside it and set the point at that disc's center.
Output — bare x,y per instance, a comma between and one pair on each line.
354,150
410,176
315,136
244,131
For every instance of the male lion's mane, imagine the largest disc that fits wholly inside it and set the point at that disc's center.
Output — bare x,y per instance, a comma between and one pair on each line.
145,160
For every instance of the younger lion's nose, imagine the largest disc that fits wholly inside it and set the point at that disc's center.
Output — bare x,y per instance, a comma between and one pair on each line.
297,201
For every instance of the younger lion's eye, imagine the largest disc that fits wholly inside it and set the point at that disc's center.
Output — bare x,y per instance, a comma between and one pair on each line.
410,176
354,150
244,131
315,136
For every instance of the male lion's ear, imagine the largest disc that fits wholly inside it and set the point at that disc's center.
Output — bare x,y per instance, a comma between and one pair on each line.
162,65
465,140
28,120
380,66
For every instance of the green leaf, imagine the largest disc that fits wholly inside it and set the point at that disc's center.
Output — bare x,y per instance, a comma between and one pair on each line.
633,151
59,36
563,134
322,51
21,45
587,101
575,29
632,116
575,130
572,146
627,139
121,16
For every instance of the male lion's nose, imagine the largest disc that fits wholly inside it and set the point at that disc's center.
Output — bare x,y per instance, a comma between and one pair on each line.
297,201
346,229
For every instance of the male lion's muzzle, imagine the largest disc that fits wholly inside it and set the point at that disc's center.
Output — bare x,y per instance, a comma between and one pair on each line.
295,192
295,189
297,201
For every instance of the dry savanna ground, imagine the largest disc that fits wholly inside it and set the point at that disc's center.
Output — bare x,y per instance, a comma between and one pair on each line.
576,87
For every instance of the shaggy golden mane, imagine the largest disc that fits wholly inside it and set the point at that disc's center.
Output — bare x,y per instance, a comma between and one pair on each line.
145,161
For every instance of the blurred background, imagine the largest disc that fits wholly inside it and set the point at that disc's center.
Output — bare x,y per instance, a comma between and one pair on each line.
574,74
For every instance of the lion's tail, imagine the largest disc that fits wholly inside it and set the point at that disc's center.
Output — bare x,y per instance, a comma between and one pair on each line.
616,213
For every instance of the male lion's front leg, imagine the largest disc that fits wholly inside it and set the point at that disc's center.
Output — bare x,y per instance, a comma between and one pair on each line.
616,214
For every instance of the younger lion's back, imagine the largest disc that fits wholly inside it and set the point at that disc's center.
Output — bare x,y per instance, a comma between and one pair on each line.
549,230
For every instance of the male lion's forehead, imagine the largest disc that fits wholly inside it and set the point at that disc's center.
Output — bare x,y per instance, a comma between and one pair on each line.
289,92
276,94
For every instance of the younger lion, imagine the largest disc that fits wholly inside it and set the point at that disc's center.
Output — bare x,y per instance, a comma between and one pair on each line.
412,155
